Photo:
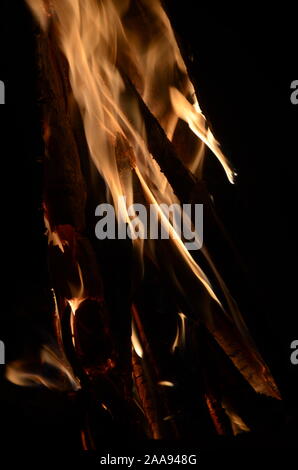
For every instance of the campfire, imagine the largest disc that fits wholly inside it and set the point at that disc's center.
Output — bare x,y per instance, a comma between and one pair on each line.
147,332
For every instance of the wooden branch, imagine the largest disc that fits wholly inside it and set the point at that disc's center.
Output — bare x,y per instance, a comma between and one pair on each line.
65,194
65,191
147,401
180,178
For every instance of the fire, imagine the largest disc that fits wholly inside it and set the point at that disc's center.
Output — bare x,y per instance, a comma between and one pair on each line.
102,47
53,236
166,383
237,423
197,122
136,342
51,369
77,292
109,44
180,338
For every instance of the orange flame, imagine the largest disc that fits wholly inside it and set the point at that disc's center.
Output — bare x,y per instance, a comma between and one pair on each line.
102,42
50,370
99,40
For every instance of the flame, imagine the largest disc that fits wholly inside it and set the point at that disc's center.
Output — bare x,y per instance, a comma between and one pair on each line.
179,341
166,383
237,423
77,298
41,10
55,239
197,123
50,370
104,43
77,292
136,343
53,236
100,44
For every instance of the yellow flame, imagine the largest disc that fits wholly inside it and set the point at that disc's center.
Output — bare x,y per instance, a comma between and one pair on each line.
32,373
237,423
166,383
136,342
77,292
197,123
100,41
53,237
104,41
179,341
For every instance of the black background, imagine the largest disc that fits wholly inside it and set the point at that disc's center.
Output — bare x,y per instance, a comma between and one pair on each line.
244,60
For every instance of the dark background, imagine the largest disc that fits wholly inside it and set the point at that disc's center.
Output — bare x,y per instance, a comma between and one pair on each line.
243,64
243,61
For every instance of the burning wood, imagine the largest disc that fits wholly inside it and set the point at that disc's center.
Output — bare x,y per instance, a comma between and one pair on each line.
118,106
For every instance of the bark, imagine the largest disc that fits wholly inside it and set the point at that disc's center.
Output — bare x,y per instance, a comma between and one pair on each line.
75,272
